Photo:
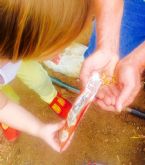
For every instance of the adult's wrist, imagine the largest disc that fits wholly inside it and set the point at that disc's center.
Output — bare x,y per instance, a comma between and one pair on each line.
138,57
140,65
109,53
136,61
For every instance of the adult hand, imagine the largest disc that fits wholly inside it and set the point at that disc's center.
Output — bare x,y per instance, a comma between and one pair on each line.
100,61
115,97
129,82
104,63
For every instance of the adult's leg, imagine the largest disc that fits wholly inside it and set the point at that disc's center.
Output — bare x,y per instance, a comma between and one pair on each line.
92,42
132,27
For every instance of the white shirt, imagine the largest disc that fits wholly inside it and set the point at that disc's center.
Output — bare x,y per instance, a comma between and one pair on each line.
9,71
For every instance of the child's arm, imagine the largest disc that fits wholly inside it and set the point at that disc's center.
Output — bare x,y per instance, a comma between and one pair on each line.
17,117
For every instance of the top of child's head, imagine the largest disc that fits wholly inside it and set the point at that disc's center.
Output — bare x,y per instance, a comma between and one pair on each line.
38,29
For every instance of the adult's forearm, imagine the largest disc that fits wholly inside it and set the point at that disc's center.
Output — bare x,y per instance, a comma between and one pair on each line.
108,17
137,57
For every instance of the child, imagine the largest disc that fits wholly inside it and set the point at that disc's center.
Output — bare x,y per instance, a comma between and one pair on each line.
39,82
10,133
43,87
37,30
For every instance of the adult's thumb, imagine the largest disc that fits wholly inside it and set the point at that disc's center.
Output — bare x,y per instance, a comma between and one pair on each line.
125,94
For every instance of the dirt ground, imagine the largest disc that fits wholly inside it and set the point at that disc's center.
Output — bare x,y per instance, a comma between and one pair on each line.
102,137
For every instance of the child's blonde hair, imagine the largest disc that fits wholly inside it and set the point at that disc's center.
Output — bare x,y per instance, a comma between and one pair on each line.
36,28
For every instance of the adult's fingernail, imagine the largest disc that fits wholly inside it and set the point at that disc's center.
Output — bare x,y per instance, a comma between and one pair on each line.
119,107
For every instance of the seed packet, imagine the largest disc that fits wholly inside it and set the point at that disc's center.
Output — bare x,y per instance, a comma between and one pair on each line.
79,108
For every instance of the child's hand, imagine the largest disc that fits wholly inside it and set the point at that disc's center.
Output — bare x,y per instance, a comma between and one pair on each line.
50,134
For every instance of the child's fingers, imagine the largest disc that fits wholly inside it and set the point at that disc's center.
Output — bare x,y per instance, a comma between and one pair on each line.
54,144
57,126
61,124
55,138
68,143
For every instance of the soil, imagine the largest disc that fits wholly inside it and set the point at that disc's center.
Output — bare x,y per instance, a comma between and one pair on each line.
101,138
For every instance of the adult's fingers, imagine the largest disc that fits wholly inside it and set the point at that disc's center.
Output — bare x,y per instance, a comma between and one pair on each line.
133,95
102,92
114,90
85,74
105,94
125,94
54,144
104,106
